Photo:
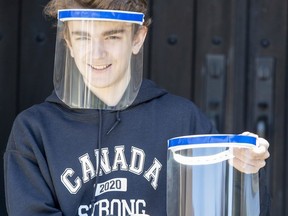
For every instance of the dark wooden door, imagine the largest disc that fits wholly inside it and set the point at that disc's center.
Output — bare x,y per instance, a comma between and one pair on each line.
228,56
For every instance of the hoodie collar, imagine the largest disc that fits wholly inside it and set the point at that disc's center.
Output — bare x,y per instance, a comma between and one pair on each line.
148,91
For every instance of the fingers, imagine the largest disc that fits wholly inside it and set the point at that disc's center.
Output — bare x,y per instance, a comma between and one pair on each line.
263,142
246,155
247,133
248,168
262,151
251,160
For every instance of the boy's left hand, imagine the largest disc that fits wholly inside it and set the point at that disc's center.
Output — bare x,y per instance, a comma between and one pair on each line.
251,160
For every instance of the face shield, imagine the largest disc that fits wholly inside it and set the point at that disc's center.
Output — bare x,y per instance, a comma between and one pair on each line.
200,181
99,58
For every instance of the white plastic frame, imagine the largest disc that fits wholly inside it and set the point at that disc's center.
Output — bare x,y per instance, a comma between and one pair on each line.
209,141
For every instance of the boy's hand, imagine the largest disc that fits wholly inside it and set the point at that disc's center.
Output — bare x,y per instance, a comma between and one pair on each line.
250,160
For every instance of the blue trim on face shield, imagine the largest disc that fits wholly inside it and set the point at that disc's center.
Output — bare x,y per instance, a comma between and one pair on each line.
212,139
101,15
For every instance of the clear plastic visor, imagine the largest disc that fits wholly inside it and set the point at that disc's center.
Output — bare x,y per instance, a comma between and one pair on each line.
201,181
99,58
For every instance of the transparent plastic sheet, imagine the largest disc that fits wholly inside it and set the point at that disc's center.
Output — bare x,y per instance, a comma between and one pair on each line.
99,58
214,189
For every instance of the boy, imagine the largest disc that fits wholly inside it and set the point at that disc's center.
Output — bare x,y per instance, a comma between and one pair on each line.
97,145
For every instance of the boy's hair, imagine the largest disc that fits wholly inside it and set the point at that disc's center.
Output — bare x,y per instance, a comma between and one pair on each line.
141,6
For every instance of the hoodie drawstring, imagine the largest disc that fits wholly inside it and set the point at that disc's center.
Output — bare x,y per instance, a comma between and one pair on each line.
118,120
99,144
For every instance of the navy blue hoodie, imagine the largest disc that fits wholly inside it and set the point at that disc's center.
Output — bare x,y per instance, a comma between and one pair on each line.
53,151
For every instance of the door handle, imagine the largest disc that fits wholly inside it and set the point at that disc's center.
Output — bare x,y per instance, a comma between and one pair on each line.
263,94
215,89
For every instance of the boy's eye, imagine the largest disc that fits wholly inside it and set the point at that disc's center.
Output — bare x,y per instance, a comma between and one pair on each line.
113,37
82,38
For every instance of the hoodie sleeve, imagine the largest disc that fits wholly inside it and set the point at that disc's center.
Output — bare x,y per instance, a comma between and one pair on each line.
28,188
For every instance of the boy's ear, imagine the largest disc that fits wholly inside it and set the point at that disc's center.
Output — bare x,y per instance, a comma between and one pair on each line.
139,39
68,44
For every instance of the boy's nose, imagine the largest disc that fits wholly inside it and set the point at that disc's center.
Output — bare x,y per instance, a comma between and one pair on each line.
98,50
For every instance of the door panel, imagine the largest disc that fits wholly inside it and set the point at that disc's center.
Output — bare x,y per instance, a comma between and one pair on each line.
229,57
171,50
266,66
9,54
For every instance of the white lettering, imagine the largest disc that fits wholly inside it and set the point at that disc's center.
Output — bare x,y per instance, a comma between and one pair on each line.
87,167
73,189
137,155
115,207
112,185
120,159
105,163
103,206
81,209
153,172
89,170
126,208
96,152
138,204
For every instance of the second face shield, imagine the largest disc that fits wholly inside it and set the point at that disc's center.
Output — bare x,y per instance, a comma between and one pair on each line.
99,58
202,181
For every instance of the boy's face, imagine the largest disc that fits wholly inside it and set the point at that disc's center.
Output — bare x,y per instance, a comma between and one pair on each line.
102,51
